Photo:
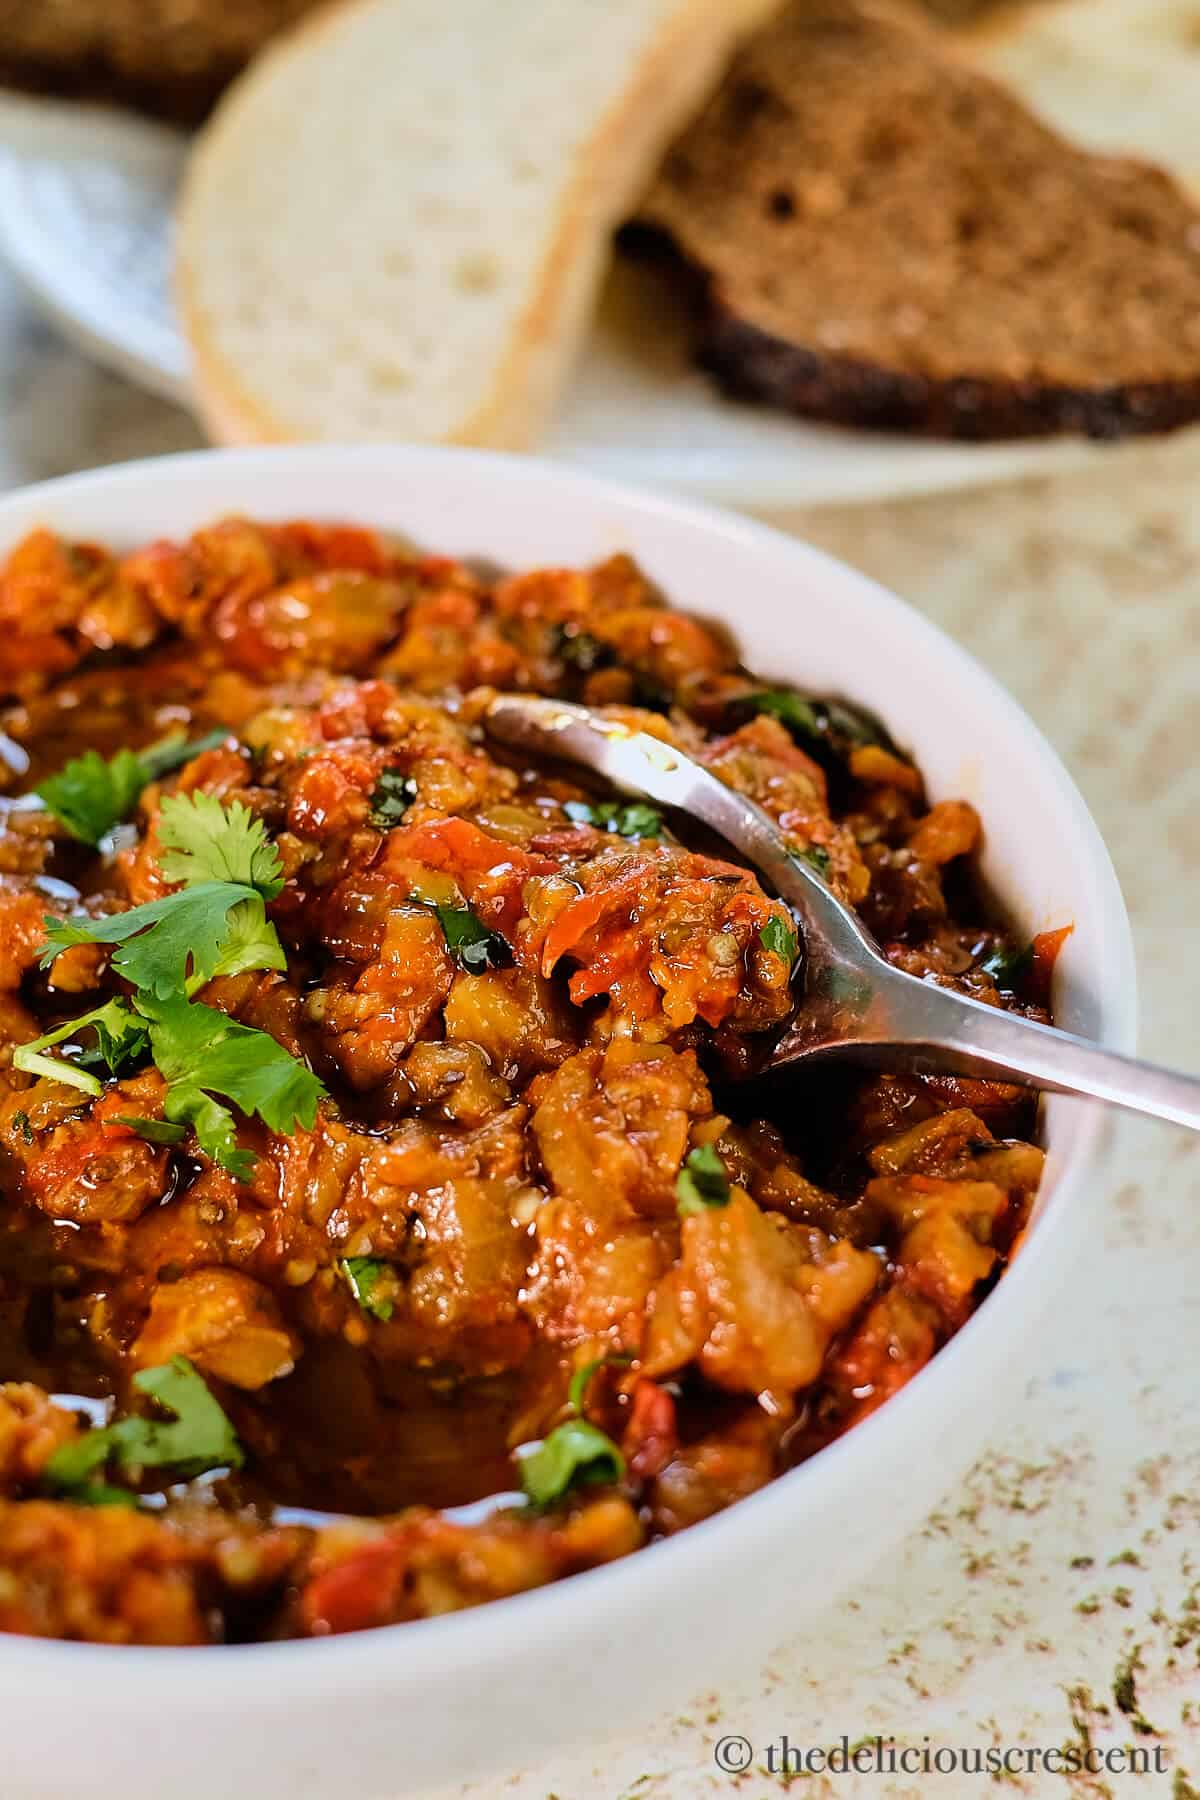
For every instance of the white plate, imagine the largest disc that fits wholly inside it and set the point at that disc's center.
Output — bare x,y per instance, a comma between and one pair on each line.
85,211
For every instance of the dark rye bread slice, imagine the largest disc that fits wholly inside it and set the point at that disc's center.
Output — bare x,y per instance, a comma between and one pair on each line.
885,237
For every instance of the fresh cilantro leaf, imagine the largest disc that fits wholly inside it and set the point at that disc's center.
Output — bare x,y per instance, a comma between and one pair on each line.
99,1493
475,948
71,1464
364,1276
394,794
214,1126
21,1123
121,1038
207,841
816,857
91,794
173,752
791,709
245,1065
776,937
203,1054
829,724
637,820
1009,968
167,943
574,1453
581,1379
702,1182
250,942
198,1437
217,925
155,1131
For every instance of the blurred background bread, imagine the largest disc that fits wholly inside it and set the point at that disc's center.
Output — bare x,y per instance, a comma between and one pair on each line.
397,222
885,236
174,58
417,255
168,57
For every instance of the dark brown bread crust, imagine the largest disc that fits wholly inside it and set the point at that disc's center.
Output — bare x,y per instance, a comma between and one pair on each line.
883,236
174,99
171,58
964,12
752,365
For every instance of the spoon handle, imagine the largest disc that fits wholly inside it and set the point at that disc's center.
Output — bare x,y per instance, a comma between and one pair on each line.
936,1029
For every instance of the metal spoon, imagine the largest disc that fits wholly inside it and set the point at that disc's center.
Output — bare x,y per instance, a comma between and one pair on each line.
855,1005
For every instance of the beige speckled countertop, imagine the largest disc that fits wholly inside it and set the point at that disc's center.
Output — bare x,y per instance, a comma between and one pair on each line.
1056,1593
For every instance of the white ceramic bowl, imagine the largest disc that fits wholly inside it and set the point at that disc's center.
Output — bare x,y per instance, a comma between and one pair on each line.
385,1713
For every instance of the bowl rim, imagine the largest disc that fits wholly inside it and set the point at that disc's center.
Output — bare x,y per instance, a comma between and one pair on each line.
456,1643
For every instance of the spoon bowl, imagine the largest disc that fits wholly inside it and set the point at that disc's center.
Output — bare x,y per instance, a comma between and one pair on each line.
854,1005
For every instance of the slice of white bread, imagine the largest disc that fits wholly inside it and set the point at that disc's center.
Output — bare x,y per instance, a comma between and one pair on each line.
396,224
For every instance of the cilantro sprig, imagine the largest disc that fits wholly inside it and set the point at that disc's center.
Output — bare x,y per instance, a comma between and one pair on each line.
155,1131
393,794
576,1453
216,924
779,939
1009,967
91,793
817,857
581,1380
827,722
474,947
703,1182
121,1039
182,940
205,840
208,1058
791,709
636,820
372,1282
196,1437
